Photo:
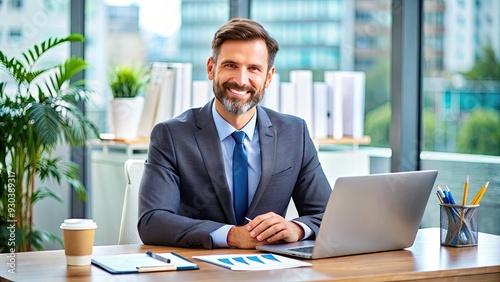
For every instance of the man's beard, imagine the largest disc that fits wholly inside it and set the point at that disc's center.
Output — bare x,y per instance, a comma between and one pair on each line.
232,105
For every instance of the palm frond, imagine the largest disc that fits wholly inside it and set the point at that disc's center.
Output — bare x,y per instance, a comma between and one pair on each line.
58,170
71,170
44,192
46,123
2,90
32,55
49,168
14,68
31,75
67,70
75,95
75,129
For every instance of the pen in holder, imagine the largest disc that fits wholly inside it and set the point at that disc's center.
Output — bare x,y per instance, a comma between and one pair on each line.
459,225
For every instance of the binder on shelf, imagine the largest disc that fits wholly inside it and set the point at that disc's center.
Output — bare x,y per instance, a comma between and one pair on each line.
353,94
272,94
335,120
303,84
320,110
347,103
287,98
202,92
182,89
165,106
157,101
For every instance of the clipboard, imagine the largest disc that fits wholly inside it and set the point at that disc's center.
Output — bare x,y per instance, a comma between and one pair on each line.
139,263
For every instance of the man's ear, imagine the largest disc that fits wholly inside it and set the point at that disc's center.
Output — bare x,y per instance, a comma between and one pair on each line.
210,68
269,77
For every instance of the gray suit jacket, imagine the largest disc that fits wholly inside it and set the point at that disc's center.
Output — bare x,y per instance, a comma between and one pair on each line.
184,193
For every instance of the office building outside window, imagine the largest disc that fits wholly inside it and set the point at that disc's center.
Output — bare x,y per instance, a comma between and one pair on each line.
461,102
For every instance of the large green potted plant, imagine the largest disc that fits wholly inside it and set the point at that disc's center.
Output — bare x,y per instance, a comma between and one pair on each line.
127,83
39,109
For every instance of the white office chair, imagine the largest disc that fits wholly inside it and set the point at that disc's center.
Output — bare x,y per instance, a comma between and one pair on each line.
130,214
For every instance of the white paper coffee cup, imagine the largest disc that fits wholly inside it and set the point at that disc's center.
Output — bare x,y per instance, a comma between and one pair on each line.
78,240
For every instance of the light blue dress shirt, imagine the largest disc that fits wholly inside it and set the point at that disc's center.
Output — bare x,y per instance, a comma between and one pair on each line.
252,146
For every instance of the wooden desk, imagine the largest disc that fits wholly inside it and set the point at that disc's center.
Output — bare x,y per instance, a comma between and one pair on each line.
426,259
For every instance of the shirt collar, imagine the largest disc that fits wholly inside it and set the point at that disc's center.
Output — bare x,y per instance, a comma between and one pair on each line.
224,129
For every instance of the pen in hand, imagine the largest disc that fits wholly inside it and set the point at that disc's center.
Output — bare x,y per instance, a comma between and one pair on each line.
248,219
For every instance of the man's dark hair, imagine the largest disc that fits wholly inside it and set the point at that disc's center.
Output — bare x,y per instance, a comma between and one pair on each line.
244,29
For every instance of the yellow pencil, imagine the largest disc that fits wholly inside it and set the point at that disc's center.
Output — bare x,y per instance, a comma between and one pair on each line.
477,195
480,194
466,190
439,197
481,191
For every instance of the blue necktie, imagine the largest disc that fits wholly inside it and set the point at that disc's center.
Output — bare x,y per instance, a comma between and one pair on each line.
240,177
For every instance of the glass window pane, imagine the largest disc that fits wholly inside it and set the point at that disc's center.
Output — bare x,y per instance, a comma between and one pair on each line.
121,32
461,99
23,25
337,35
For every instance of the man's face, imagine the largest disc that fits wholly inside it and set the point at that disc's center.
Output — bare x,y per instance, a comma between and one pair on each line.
240,74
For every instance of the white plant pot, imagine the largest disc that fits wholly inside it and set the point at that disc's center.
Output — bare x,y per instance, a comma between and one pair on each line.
126,113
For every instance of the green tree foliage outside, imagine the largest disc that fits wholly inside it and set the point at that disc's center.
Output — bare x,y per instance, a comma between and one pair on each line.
377,86
377,125
480,133
429,123
487,67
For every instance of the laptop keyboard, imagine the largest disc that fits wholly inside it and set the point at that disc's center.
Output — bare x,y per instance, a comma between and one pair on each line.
307,249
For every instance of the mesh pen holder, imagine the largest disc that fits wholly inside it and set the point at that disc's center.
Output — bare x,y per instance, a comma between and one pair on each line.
459,225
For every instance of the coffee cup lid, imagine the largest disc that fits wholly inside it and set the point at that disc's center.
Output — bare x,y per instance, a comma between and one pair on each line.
78,223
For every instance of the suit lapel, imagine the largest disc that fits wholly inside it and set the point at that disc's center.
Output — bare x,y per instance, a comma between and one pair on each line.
268,143
211,152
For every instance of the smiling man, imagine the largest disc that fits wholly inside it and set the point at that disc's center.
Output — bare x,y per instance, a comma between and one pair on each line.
205,187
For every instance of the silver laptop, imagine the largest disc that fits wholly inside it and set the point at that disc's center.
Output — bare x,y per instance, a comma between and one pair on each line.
365,214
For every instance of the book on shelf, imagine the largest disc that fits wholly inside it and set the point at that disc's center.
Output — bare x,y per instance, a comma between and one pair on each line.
168,94
302,81
271,98
287,98
347,94
182,87
202,92
335,107
320,110
156,101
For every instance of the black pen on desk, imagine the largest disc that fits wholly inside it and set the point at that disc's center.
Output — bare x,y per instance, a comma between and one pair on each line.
158,257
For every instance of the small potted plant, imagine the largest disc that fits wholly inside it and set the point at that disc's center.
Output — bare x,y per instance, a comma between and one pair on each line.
127,83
